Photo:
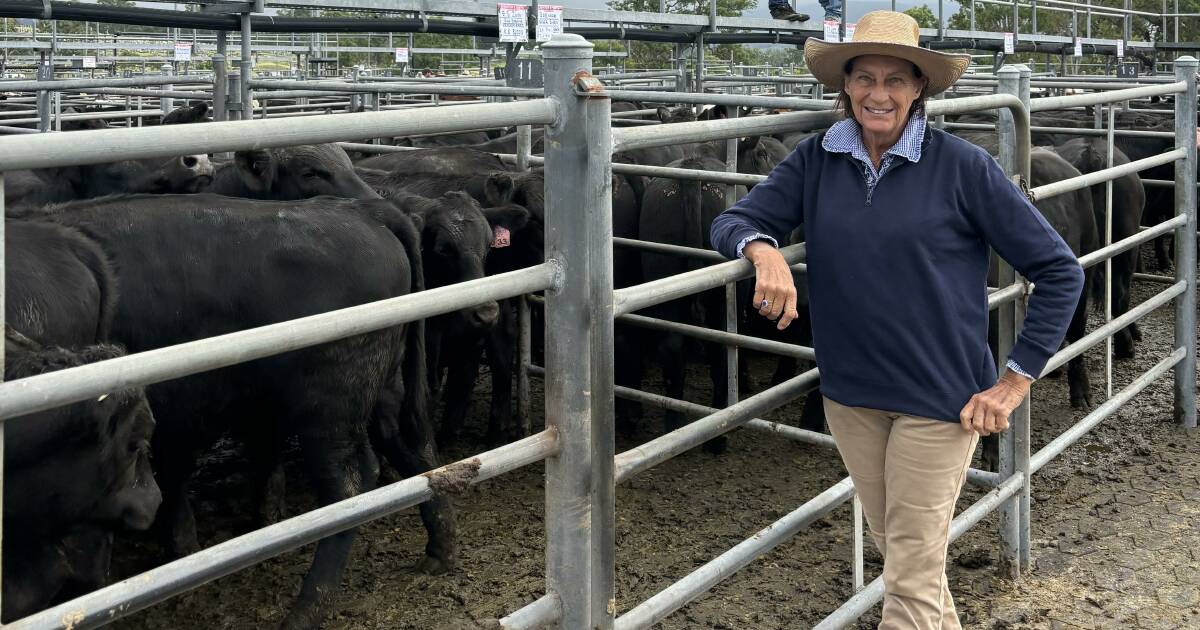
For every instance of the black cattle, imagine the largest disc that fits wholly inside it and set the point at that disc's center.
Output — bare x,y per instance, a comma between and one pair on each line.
507,143
266,262
465,138
184,174
60,286
187,114
455,344
73,475
291,173
1089,155
680,212
461,161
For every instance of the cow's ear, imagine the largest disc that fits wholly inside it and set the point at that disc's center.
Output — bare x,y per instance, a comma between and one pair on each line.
257,169
511,216
664,114
200,110
499,189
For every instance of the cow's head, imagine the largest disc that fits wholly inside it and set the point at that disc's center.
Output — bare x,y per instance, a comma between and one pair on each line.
300,173
87,463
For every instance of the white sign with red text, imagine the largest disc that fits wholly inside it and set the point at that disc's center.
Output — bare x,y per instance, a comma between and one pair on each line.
549,22
1010,45
514,22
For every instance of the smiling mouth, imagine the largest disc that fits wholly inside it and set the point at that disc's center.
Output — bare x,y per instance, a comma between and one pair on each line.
878,112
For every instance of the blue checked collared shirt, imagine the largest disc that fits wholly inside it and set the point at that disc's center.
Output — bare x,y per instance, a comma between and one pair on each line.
845,136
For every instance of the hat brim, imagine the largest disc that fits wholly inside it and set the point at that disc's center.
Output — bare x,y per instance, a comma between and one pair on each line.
827,61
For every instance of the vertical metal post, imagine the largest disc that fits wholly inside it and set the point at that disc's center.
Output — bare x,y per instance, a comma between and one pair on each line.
1176,21
524,360
1009,514
731,308
699,87
247,66
1088,19
524,147
1020,425
858,543
45,72
1108,191
220,78
3,324
1185,243
234,95
580,488
166,103
941,18
1033,16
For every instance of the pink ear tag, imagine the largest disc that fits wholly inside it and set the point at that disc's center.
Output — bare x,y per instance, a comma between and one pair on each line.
501,237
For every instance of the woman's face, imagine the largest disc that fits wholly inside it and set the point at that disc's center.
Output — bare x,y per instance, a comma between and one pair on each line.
881,91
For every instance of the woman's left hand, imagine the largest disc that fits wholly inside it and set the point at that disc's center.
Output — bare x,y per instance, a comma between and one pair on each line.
987,412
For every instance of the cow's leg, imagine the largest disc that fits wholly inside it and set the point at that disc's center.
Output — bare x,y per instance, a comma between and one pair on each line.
672,361
1162,254
270,489
174,463
628,372
340,466
460,383
1077,376
410,448
1123,340
500,353
812,417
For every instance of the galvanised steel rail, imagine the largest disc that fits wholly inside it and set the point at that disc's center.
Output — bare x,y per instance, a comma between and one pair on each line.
25,396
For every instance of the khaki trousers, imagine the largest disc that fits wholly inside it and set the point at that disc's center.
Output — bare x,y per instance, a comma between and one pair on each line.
907,472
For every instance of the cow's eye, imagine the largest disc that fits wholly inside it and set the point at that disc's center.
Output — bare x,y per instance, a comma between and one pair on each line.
311,174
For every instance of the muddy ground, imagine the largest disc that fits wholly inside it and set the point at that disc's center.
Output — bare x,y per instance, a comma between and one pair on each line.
1113,539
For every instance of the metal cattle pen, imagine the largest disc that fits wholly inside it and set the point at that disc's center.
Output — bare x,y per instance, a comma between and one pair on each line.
581,307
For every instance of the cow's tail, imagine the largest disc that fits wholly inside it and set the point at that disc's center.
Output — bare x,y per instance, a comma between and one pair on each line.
691,202
414,407
92,256
413,369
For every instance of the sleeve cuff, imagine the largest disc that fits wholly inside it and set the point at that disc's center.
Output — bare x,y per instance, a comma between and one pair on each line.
757,236
1016,367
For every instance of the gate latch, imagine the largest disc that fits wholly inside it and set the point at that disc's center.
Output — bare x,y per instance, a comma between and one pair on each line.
588,85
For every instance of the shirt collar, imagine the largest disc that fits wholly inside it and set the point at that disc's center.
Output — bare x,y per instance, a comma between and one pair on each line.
845,136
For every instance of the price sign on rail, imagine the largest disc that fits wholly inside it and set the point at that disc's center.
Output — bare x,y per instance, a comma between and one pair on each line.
1010,45
1120,48
549,22
850,31
183,52
1078,47
89,62
401,55
831,31
514,24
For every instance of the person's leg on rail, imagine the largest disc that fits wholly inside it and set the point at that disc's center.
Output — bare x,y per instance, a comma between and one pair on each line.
833,9
782,10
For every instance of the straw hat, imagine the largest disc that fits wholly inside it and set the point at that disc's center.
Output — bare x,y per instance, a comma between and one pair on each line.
884,33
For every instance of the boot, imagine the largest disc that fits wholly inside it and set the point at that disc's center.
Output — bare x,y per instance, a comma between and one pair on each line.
786,12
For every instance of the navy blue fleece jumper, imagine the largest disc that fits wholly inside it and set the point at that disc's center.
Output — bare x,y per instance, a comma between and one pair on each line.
898,282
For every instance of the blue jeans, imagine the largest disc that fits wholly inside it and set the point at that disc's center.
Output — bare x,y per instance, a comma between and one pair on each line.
833,9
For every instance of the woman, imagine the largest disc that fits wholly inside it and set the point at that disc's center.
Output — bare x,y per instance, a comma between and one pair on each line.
899,218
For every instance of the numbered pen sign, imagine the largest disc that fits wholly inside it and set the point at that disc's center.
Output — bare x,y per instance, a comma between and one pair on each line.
850,31
1078,47
514,25
549,22
183,52
1009,44
831,31
401,55
1120,48
89,62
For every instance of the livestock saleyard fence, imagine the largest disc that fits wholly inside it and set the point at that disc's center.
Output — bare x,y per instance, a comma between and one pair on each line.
581,307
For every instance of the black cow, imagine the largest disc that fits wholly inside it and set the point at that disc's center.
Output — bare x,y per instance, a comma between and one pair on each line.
1090,155
266,262
290,173
187,114
60,286
185,174
461,161
680,212
73,475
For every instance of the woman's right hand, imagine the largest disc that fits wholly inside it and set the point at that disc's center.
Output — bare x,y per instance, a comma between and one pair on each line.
774,289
